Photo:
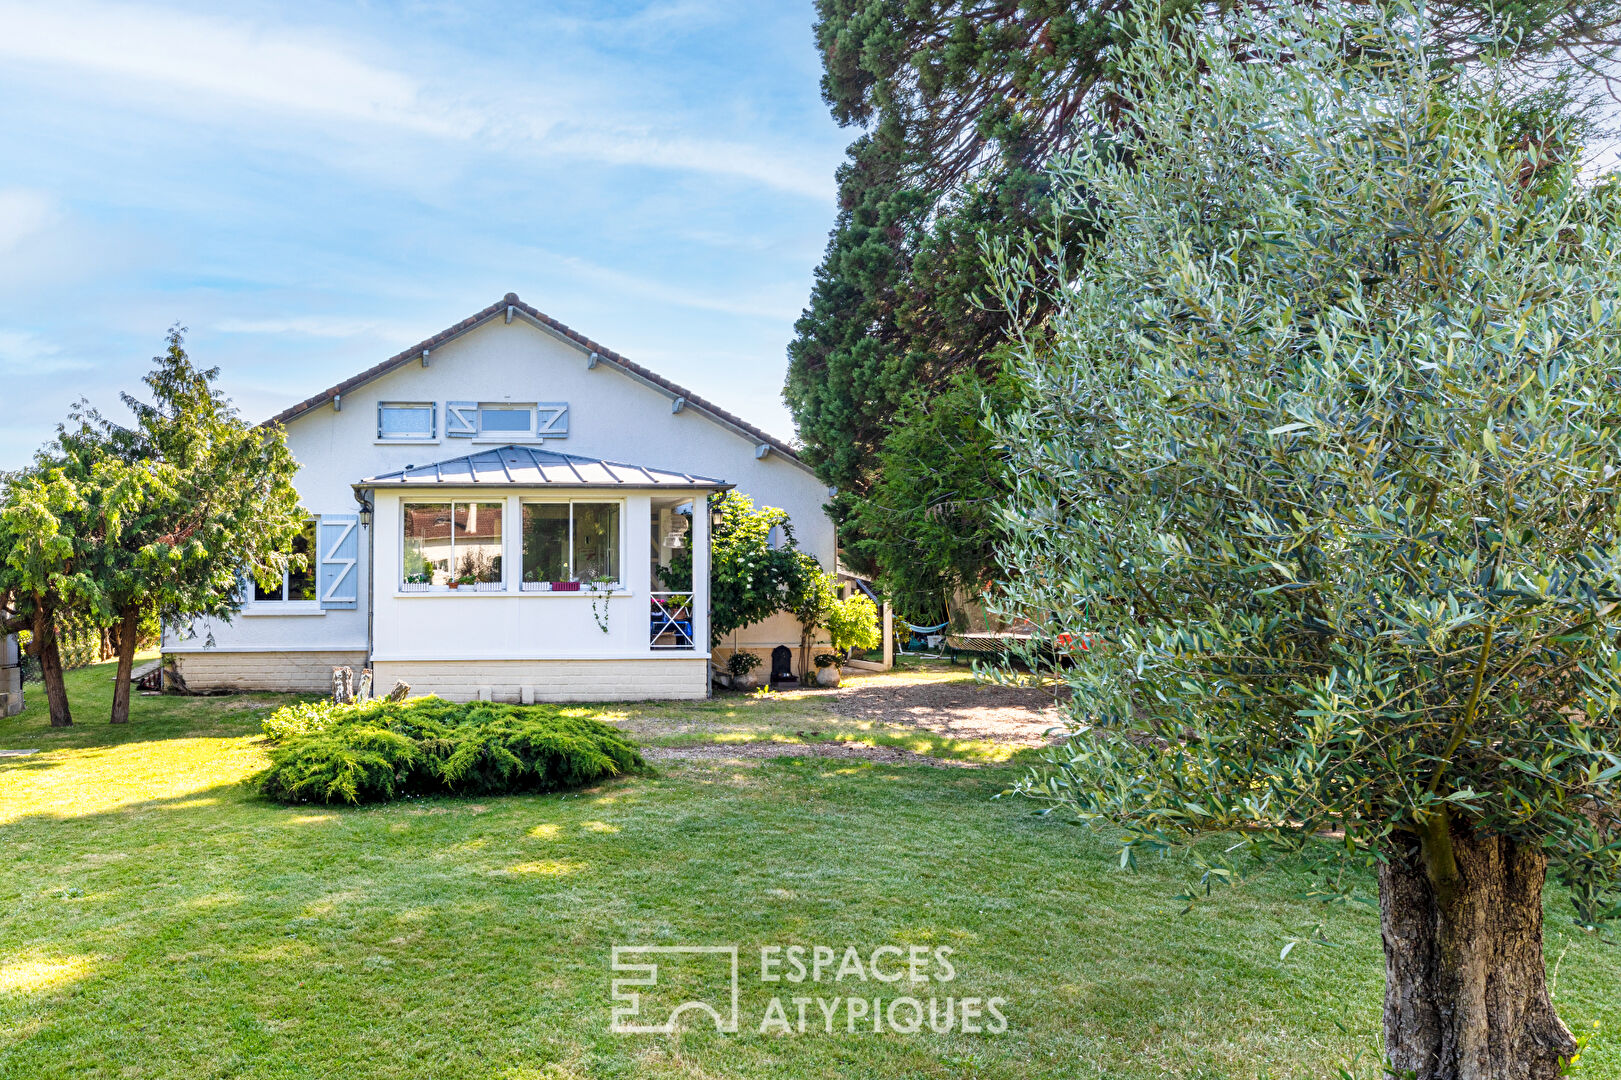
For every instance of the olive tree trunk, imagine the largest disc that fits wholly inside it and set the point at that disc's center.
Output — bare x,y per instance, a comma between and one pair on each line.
50,663
1466,992
128,626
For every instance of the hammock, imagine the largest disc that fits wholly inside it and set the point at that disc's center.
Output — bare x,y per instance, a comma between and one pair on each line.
917,639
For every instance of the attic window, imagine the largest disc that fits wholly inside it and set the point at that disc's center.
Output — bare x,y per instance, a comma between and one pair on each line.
506,419
407,420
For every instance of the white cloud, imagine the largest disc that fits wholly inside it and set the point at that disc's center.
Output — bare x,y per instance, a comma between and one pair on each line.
191,62
316,326
253,65
762,165
24,213
756,306
25,353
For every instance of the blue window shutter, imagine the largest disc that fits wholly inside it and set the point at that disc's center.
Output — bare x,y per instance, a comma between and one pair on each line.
338,580
461,419
551,420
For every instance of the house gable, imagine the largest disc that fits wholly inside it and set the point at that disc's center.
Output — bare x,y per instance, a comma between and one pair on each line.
510,308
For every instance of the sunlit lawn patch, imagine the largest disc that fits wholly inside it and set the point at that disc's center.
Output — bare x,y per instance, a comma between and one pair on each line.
158,920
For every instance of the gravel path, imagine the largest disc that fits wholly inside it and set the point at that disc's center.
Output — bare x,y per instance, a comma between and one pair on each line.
957,709
947,705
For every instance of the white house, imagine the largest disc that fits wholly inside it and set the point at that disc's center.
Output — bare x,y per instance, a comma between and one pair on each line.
490,512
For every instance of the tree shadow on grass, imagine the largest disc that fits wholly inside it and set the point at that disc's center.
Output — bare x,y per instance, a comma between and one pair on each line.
158,717
32,763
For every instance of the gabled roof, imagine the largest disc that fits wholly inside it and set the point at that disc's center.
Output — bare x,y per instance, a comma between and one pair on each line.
528,466
507,308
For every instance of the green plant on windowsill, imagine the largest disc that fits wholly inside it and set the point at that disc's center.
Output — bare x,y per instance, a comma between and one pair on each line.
423,578
477,566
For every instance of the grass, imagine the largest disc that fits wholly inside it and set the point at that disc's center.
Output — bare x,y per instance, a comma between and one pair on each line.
158,920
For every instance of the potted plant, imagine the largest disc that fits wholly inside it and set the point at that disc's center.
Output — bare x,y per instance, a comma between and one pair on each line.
827,669
466,579
479,572
741,665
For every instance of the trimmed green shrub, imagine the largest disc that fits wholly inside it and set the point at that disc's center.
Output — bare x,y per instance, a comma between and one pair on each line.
353,763
383,750
301,719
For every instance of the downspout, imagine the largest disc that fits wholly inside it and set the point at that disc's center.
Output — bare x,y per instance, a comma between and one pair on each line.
368,511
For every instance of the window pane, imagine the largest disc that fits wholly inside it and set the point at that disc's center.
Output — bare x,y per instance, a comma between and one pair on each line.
405,422
295,584
478,541
545,542
506,419
427,543
596,541
301,583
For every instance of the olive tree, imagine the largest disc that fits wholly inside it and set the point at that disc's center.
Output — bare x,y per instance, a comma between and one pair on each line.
1325,440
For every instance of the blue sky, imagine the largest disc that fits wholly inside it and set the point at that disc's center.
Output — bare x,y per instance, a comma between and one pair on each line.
311,187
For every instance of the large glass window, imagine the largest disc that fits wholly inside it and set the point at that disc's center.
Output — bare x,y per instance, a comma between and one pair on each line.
295,584
569,542
396,420
452,543
546,542
596,541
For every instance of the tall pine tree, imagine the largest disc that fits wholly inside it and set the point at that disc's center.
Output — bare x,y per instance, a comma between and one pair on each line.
961,105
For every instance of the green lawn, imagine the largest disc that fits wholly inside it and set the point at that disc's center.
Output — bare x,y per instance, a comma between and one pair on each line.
157,920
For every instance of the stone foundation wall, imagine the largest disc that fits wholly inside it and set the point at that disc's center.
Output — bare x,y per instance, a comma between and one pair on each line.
285,672
525,681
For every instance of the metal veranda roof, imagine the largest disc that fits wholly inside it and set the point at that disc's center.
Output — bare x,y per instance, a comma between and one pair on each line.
533,467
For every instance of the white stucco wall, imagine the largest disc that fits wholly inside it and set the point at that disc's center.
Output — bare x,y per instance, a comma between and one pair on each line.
611,415
511,624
